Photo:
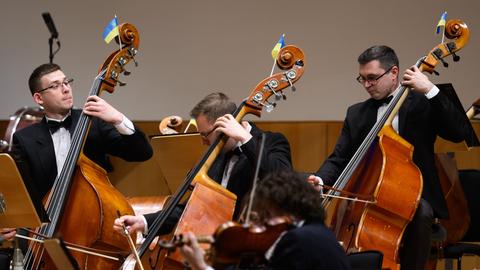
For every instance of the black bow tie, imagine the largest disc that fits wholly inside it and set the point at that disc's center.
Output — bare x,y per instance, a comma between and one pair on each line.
53,125
237,151
234,152
380,102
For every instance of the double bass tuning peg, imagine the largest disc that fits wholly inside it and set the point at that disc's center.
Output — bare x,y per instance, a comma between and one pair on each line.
445,64
456,58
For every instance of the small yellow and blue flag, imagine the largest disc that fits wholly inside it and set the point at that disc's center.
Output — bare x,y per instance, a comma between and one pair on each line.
442,22
111,30
280,44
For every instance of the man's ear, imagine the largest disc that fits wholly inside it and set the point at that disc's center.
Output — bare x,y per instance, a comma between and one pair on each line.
37,97
394,71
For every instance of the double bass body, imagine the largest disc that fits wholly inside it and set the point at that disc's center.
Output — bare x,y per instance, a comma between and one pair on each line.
396,187
89,215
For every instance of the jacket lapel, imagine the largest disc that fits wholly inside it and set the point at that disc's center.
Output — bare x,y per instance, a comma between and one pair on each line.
46,151
402,114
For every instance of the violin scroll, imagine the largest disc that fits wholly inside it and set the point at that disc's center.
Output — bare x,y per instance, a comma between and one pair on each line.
458,32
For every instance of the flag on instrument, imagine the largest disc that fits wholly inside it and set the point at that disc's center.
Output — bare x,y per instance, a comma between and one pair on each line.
111,30
441,22
280,44
192,122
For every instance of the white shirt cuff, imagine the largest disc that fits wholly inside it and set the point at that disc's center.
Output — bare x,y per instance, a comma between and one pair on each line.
126,127
145,231
433,92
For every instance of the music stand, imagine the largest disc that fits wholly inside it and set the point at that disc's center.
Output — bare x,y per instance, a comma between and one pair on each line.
176,155
59,254
16,207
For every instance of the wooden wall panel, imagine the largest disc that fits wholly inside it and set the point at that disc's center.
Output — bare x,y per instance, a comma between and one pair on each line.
310,141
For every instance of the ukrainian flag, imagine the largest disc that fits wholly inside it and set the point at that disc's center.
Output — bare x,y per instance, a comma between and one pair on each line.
280,44
111,30
442,22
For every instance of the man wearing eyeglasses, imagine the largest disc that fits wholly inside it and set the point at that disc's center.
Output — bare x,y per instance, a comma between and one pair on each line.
426,113
234,168
43,147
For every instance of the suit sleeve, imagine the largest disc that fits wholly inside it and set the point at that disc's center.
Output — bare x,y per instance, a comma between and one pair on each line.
134,147
276,152
451,123
333,166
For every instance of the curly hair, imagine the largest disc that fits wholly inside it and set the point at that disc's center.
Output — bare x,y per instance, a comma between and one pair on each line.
289,192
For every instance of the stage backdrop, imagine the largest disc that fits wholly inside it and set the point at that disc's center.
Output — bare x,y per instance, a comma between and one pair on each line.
191,48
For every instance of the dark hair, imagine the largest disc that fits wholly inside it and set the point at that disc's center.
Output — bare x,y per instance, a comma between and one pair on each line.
289,192
384,54
213,106
34,80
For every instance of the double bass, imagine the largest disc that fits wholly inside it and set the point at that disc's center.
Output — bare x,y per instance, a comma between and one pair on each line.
209,204
458,222
83,186
382,167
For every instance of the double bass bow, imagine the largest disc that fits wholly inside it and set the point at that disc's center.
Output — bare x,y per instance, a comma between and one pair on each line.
83,186
209,204
382,167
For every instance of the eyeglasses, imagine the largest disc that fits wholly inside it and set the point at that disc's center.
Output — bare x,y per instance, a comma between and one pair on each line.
206,134
57,85
372,81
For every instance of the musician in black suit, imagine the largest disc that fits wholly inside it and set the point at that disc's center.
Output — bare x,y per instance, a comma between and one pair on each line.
307,244
234,167
41,148
426,113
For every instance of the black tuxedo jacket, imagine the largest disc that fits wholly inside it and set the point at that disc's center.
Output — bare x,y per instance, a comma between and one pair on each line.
309,247
420,121
276,156
33,147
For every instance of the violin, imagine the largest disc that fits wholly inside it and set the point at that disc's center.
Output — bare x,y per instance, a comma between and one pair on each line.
238,244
